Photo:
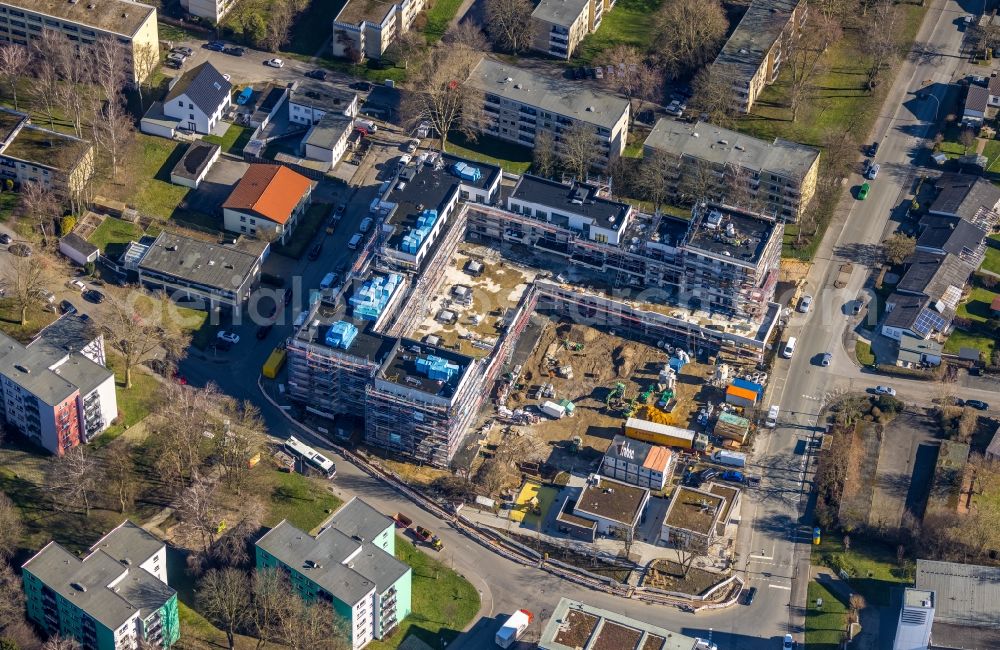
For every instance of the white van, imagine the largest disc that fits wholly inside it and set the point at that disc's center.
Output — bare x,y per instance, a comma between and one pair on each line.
328,280
772,416
366,224
789,348
370,126
354,241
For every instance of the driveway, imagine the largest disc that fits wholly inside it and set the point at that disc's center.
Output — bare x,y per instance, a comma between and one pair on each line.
215,189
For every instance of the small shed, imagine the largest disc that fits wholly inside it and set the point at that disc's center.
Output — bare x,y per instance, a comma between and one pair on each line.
193,166
740,396
969,354
732,427
78,249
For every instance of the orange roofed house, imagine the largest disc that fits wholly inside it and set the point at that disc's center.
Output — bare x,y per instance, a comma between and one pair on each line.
267,203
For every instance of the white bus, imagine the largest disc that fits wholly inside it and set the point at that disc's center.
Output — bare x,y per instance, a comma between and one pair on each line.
311,458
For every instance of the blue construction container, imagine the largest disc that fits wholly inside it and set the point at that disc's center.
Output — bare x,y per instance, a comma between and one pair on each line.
749,385
436,368
369,301
341,334
467,172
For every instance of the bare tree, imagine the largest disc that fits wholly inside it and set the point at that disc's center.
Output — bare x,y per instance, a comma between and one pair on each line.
109,68
57,642
314,625
232,549
138,325
279,24
688,550
44,92
15,61
468,37
11,528
635,78
544,154
74,479
120,474
11,599
245,437
406,47
508,23
881,40
898,247
713,94
855,604
492,476
689,33
38,204
805,57
146,58
225,601
199,514
654,176
698,181
23,282
273,605
179,443
74,96
113,134
579,149
442,99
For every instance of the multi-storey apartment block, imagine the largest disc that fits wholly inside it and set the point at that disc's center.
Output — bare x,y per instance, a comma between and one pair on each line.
56,397
777,178
213,10
114,598
131,24
518,105
349,564
31,154
753,54
364,29
558,26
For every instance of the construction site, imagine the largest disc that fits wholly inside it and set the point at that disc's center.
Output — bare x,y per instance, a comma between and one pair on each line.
424,338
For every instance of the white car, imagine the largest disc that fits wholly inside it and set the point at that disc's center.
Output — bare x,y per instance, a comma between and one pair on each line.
805,304
788,643
76,284
228,337
885,390
275,63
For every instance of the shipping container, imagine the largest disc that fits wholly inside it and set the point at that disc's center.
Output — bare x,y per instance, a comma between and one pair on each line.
553,410
659,434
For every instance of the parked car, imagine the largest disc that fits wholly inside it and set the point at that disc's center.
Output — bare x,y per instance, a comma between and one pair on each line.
180,49
234,51
363,86
329,280
977,404
264,330
66,307
275,63
215,46
788,643
873,149
708,474
857,306
873,172
244,96
94,296
751,593
598,73
863,192
314,252
805,303
179,58
76,284
46,295
317,74
339,211
411,145
825,359
732,476
885,390
5,238
289,294
229,337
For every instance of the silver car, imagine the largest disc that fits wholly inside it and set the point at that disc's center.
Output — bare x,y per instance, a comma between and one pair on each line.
805,304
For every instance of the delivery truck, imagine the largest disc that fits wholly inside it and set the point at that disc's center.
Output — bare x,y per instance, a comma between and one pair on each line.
732,458
513,628
274,362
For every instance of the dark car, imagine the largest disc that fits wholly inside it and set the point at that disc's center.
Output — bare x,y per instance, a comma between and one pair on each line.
317,74
732,476
180,49
94,296
5,238
872,150
315,251
288,296
339,212
363,86
750,595
708,474
264,330
215,46
66,307
234,51
977,404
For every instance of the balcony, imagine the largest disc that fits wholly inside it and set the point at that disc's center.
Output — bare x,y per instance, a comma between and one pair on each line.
558,38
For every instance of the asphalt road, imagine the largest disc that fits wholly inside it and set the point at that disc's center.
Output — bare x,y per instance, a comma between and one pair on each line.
774,536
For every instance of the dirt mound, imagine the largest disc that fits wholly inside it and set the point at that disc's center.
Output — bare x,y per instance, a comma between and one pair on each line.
624,359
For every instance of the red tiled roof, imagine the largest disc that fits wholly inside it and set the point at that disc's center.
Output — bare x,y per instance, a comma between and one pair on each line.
271,191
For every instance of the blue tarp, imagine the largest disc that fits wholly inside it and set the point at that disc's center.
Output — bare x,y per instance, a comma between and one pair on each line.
341,334
749,385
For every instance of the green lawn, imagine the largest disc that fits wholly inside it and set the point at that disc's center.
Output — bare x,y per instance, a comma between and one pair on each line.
10,320
977,306
992,153
233,141
513,158
169,32
8,203
135,403
991,262
306,229
443,601
304,501
961,339
864,353
824,626
871,565
439,16
114,231
155,195
629,23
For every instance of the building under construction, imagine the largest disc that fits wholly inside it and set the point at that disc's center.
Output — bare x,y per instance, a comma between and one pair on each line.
704,284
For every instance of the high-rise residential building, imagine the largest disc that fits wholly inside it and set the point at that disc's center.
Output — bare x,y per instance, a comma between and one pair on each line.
84,23
364,29
558,26
114,598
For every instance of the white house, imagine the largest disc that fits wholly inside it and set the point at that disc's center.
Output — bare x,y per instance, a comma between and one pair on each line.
198,99
78,249
267,202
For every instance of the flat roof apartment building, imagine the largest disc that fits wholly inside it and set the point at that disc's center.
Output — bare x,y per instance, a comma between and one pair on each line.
364,29
579,626
778,177
753,54
213,10
132,24
558,26
518,105
350,564
29,153
114,598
